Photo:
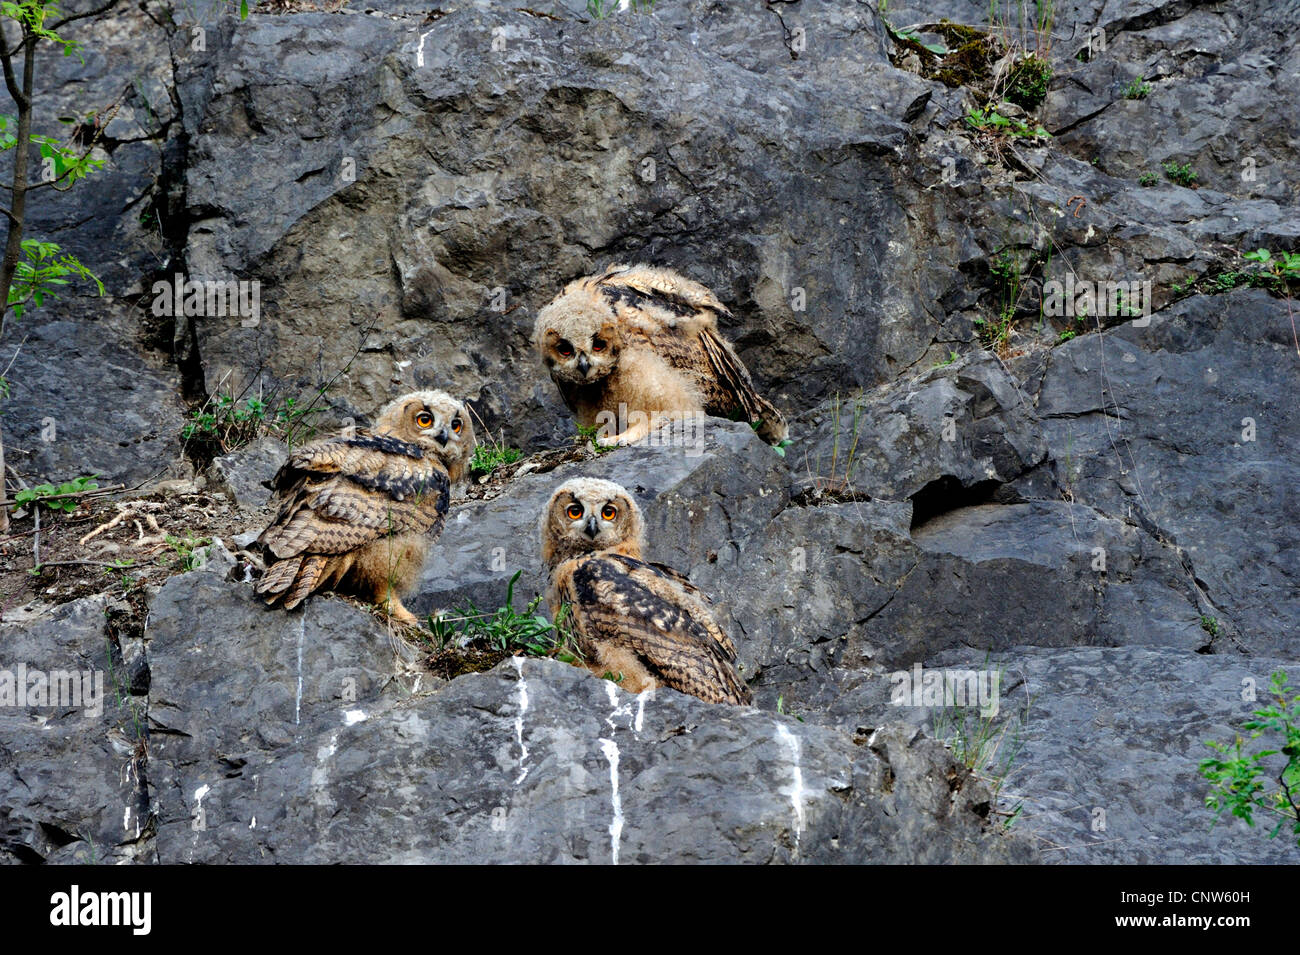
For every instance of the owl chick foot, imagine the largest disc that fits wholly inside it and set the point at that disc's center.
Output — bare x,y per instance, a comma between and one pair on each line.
392,606
636,432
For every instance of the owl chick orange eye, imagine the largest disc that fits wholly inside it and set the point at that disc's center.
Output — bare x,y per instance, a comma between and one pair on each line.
565,349
609,512
574,511
597,344
457,425
424,419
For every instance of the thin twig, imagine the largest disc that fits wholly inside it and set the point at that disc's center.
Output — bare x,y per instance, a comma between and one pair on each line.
330,384
82,16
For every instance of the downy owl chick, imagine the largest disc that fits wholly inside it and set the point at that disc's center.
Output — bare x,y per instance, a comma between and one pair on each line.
357,511
646,339
637,619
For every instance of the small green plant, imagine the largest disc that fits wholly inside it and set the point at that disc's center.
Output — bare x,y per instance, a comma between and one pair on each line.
1238,776
224,423
938,49
55,497
1227,281
1028,81
186,549
991,121
1123,306
1018,25
587,436
952,357
1081,320
780,447
780,708
1137,89
977,741
289,418
492,454
508,630
1148,179
1210,625
1277,271
1284,266
985,746
120,566
1182,174
844,447
1008,281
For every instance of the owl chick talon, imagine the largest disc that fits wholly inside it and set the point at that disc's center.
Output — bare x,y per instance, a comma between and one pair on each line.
400,615
626,439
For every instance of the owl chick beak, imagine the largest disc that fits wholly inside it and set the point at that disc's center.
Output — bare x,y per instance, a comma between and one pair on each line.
583,365
591,530
442,437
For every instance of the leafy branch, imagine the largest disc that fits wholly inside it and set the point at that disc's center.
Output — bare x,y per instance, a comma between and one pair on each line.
1239,778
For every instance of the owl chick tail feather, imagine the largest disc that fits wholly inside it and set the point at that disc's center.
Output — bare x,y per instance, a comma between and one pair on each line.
737,691
756,409
289,582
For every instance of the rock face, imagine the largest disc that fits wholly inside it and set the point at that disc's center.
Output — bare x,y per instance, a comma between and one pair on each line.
537,762
1100,512
72,761
281,737
1101,747
1191,438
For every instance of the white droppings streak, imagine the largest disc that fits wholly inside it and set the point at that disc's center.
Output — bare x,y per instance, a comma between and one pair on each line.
297,703
253,823
419,51
640,709
796,787
519,720
610,749
353,717
198,798
615,709
126,819
320,774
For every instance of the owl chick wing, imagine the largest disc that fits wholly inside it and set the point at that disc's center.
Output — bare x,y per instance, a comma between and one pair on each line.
685,583
685,333
341,493
635,604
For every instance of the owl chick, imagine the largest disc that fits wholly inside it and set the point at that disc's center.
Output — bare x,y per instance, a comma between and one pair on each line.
631,617
646,339
357,511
